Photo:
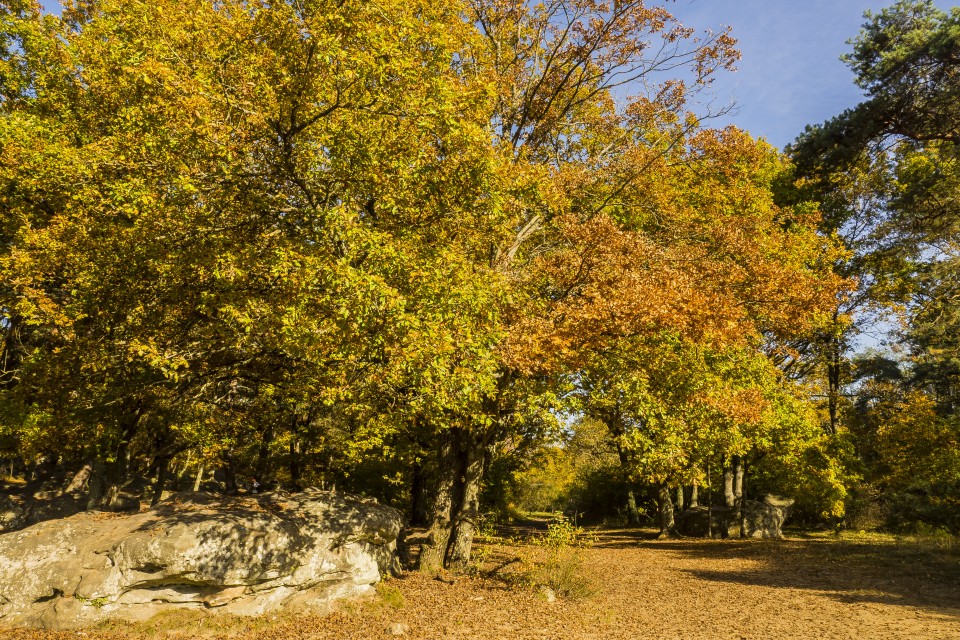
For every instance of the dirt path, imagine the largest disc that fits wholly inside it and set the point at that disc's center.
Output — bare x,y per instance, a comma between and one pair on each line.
813,588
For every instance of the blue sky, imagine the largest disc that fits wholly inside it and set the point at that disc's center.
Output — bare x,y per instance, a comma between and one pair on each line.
790,74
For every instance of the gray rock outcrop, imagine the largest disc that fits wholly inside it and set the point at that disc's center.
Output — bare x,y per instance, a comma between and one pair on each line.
244,556
765,518
761,519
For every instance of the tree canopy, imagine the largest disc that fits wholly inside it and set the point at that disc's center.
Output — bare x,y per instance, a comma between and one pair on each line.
388,245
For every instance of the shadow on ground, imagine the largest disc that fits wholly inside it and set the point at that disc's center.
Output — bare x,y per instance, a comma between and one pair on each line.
901,574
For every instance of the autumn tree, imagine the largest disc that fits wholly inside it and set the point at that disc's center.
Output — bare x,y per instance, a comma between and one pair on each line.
288,238
629,244
566,148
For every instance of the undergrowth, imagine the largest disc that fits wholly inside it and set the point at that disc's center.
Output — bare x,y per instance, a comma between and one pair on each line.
390,595
549,562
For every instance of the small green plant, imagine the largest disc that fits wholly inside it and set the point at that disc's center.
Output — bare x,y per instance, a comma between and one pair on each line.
559,565
562,533
486,526
390,596
563,573
480,556
93,602
487,542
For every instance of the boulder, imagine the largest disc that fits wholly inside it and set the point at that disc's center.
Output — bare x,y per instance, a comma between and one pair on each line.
765,518
762,519
13,513
244,556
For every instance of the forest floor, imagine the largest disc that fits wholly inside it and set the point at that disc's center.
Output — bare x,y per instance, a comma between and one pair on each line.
808,586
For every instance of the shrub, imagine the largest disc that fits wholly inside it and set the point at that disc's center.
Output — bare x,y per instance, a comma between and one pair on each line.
560,567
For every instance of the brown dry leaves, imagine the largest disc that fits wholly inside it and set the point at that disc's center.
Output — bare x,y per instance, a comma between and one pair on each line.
687,589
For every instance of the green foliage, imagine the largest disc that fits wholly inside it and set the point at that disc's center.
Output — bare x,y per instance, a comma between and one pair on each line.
545,484
169,262
797,458
915,461
672,409
390,595
593,453
97,603
887,174
562,533
560,567
354,244
580,476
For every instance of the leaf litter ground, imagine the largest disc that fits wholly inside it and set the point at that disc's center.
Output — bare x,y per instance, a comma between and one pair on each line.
809,586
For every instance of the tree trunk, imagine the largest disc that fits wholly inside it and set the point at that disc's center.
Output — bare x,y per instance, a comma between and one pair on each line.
679,501
433,551
709,503
418,495
108,478
186,465
633,514
230,475
729,497
834,370
262,468
741,495
665,505
737,463
106,481
694,495
199,479
163,469
465,521
294,464
117,476
97,485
